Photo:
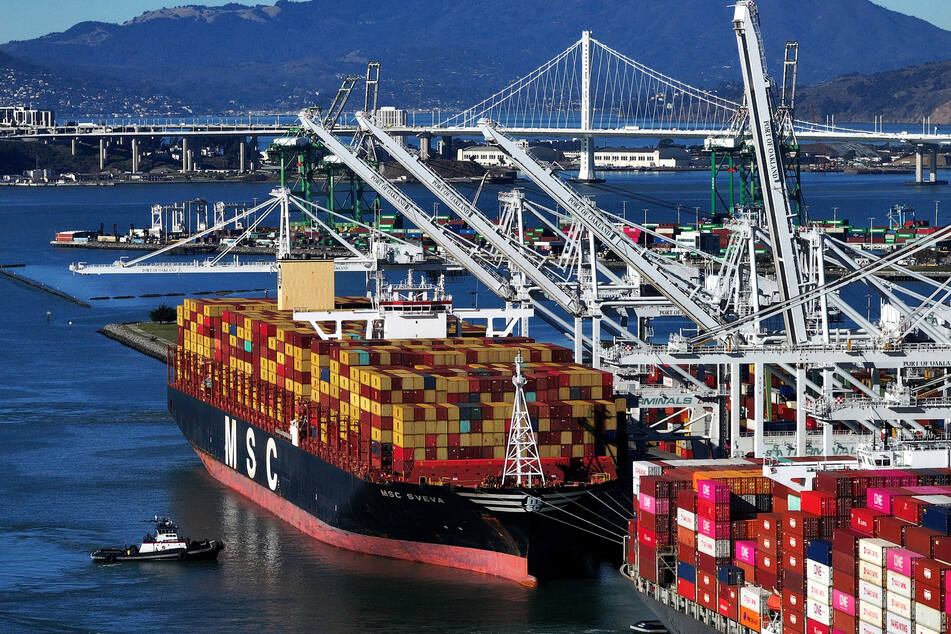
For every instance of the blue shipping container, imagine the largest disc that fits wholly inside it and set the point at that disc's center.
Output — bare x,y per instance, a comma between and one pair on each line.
937,518
686,572
819,550
730,575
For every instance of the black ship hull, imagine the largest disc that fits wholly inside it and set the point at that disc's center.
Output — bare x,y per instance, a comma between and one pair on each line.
675,621
513,534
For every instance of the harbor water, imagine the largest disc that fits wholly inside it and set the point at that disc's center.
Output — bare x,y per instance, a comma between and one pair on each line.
89,449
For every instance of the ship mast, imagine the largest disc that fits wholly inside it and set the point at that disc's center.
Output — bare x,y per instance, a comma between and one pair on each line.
521,451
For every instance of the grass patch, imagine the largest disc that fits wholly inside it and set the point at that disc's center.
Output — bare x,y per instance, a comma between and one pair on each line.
165,332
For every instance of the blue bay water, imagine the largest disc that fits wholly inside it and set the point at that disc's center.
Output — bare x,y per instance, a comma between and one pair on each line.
88,450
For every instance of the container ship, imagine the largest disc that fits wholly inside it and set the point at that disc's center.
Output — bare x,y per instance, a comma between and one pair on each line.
837,546
397,446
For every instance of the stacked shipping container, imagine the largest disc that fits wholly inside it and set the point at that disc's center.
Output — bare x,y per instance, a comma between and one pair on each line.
434,408
865,552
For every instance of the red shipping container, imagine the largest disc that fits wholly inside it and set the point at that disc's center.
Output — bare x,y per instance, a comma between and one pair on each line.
767,562
707,598
767,579
846,540
845,580
793,543
794,561
863,520
649,538
686,537
706,581
706,563
817,503
844,622
794,622
716,511
647,562
728,601
727,608
815,627
890,528
794,580
687,554
687,499
686,589
793,600
769,524
749,572
846,562
907,508
920,540
941,548
768,544
931,573
932,597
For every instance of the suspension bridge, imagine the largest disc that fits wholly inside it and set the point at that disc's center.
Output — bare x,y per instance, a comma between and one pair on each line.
587,91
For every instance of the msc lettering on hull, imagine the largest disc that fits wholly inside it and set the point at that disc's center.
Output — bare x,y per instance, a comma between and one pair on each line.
250,461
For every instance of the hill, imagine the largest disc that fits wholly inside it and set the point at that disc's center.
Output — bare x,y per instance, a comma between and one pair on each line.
447,54
904,95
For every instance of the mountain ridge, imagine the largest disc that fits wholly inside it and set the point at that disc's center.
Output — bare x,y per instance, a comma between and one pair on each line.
441,54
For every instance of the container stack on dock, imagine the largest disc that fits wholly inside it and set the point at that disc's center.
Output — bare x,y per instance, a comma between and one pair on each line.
864,552
431,408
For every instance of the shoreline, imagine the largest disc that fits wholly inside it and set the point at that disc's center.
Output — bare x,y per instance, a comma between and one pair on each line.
131,336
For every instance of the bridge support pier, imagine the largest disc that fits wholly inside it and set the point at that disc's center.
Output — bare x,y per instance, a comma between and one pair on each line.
184,154
735,399
135,155
445,147
242,149
932,151
253,154
102,153
424,147
72,146
191,161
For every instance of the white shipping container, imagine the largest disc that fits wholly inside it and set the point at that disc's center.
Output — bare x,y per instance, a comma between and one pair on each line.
897,604
818,572
871,573
871,614
936,500
895,624
818,591
927,617
868,628
921,629
687,519
871,593
713,547
751,598
898,583
821,612
873,549
643,468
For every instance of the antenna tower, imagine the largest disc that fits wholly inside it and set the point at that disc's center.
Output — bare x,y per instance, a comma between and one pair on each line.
521,451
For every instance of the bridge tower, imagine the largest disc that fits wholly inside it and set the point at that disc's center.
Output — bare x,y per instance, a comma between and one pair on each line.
586,160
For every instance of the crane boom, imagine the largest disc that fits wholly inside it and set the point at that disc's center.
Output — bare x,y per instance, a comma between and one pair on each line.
589,216
473,217
407,207
772,173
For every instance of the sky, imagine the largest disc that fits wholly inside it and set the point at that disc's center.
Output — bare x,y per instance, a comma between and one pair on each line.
24,20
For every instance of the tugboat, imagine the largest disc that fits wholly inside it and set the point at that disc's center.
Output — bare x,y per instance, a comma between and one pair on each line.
165,545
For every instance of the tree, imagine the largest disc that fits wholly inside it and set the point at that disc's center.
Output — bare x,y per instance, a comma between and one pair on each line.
163,314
